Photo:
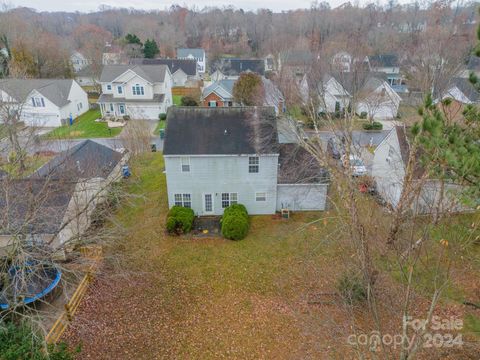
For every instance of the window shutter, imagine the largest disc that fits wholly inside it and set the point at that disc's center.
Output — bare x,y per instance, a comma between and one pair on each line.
43,102
33,102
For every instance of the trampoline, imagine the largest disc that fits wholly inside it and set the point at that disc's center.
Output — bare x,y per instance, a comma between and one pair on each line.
28,283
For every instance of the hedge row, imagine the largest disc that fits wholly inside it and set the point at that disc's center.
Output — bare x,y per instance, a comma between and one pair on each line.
373,126
180,220
235,222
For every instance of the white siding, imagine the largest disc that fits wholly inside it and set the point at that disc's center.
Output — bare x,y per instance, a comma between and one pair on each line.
388,169
302,197
76,96
223,174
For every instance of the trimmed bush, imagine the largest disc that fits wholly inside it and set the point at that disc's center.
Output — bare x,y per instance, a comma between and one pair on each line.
235,226
352,288
162,116
235,222
188,101
236,208
373,126
179,220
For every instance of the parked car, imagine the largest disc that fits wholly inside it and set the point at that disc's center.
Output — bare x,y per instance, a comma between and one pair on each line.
335,148
356,165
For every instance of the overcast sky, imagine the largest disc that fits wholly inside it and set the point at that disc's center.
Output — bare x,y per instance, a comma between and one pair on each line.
90,5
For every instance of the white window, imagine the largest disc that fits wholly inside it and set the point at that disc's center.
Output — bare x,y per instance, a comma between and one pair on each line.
253,164
38,102
109,87
111,107
184,200
260,196
79,106
229,199
120,89
185,164
138,90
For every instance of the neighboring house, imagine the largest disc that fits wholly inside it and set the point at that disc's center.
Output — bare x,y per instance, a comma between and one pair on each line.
86,76
389,65
45,102
388,170
196,54
270,63
296,62
216,157
219,94
372,94
378,100
473,65
139,91
462,91
273,96
56,203
78,61
112,58
332,95
342,62
184,71
231,68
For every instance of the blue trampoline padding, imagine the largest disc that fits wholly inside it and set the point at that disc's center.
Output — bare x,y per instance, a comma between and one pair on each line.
39,295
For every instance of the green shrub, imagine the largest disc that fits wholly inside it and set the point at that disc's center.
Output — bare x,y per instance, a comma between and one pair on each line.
363,115
188,101
180,220
236,208
235,226
352,288
22,342
373,126
235,222
162,116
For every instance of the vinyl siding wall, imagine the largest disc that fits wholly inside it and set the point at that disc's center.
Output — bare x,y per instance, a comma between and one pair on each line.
223,174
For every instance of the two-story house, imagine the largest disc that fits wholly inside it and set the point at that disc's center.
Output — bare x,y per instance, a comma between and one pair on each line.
139,91
388,64
43,102
215,157
78,61
184,71
198,55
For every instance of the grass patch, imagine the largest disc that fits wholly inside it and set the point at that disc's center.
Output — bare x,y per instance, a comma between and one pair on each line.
160,125
32,163
84,127
177,100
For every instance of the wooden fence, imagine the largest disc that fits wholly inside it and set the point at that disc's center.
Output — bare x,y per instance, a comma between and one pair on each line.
93,254
186,91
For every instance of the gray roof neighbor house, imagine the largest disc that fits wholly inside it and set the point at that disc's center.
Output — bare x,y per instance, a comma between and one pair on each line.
55,90
151,73
234,66
197,53
188,66
223,88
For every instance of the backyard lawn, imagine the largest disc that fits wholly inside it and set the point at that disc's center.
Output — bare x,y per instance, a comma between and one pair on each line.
209,298
177,100
160,125
84,127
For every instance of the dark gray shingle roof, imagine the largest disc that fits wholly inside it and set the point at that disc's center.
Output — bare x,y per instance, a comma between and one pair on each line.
86,160
385,60
233,66
221,131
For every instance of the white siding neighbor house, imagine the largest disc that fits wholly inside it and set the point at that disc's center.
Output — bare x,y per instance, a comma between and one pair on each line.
45,102
184,71
389,170
462,91
78,61
196,54
215,157
137,91
378,100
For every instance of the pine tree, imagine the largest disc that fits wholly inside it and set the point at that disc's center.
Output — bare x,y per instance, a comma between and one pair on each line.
150,49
